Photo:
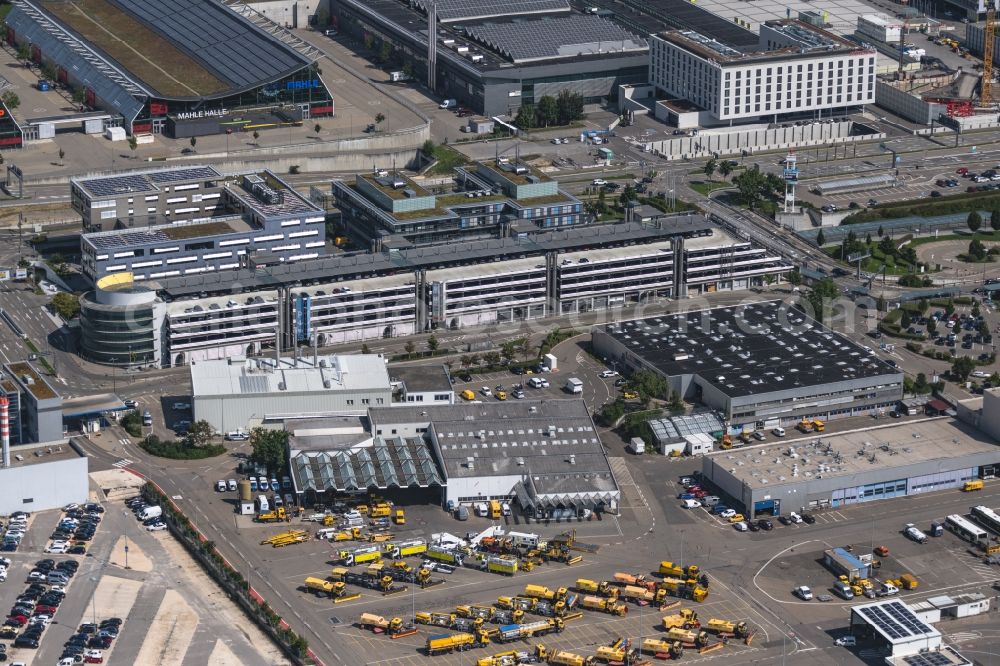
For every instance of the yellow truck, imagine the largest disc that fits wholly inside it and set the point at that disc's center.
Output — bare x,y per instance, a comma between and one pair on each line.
501,565
907,582
603,605
818,425
381,510
642,594
444,643
275,516
727,628
655,647
286,539
468,395
399,517
684,589
805,425
685,618
564,658
608,654
363,555
668,568
603,588
688,637
971,486
496,511
337,590
541,592
394,627
435,619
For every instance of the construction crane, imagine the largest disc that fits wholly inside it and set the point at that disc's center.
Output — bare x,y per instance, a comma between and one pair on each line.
985,96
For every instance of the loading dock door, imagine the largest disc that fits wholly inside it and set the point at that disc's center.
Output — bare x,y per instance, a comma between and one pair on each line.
767,508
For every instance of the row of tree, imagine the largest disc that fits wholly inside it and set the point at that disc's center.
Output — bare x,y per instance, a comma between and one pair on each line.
567,107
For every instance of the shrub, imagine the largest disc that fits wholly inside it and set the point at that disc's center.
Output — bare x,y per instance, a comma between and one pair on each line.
132,422
179,450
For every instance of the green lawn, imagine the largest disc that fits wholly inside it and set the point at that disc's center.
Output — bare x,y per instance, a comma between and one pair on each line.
704,188
874,263
447,159
981,235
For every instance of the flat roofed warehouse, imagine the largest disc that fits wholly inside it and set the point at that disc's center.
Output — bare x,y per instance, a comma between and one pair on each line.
190,67
838,470
527,41
761,365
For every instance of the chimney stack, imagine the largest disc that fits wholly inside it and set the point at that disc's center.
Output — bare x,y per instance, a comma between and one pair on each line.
5,429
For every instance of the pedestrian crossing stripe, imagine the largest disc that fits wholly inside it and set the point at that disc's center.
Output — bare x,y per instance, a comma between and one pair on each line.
122,462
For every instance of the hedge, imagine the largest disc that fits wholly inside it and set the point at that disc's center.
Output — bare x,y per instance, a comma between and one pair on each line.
959,203
179,450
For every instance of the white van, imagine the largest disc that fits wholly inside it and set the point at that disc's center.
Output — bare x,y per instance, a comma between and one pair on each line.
326,532
482,510
779,432
220,486
262,503
843,590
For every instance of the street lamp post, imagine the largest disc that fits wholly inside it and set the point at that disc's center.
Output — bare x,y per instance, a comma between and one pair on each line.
114,375
125,513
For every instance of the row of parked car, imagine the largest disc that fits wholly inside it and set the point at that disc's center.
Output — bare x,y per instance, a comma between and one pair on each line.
14,531
87,644
150,515
694,497
77,526
34,610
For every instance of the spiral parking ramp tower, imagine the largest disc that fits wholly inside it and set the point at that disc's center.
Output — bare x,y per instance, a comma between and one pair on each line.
122,323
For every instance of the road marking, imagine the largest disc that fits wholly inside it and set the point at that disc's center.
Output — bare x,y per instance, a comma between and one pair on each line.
122,463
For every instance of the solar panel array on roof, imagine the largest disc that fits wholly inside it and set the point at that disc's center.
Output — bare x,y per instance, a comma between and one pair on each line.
563,36
114,185
686,15
928,659
229,46
112,241
174,175
894,620
454,10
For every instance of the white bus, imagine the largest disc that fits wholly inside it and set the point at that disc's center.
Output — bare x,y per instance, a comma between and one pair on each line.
986,517
966,529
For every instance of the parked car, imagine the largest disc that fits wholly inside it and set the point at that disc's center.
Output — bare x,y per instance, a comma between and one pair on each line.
803,592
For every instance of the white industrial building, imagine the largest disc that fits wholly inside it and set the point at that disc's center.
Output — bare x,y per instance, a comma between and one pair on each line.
237,393
422,384
901,635
880,27
44,476
796,69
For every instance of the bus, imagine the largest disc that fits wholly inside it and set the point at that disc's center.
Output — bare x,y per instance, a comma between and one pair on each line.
986,517
966,529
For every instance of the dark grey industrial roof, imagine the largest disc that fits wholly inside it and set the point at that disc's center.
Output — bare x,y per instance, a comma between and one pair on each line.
555,37
686,15
225,43
746,350
360,264
421,378
466,10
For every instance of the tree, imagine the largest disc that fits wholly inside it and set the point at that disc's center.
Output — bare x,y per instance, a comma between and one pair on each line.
906,320
820,239
379,118
975,221
365,349
795,278
823,293
465,361
317,128
649,384
995,219
409,347
201,432
750,184
547,112
79,96
676,404
428,148
525,118
10,100
66,305
922,305
508,349
385,52
133,143
868,239
491,358
269,448
256,135
931,326
524,348
920,385
710,167
977,251
569,106
24,53
627,195
433,343
193,141
725,168
881,231
474,360
962,367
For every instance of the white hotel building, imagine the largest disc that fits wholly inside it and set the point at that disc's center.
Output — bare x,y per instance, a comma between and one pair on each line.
797,69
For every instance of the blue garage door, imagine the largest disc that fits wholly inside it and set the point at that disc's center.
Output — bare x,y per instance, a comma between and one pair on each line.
772,507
